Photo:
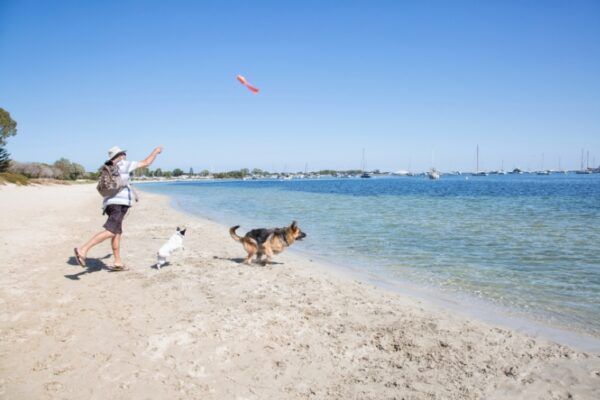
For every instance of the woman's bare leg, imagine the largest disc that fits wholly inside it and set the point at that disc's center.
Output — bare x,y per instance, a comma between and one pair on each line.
96,239
116,247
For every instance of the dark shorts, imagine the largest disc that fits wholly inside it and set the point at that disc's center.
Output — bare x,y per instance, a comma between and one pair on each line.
116,213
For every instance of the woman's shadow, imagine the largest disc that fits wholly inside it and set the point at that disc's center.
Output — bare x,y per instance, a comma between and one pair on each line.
91,265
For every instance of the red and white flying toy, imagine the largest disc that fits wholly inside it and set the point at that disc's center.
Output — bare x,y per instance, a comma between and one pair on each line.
244,82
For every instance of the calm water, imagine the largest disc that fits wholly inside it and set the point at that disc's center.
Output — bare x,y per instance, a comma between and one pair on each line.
527,243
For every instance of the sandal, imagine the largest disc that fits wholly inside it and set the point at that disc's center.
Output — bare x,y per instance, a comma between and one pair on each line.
119,268
80,259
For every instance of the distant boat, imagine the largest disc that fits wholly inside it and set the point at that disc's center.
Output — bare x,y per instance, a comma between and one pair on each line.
502,171
477,172
543,172
433,174
365,174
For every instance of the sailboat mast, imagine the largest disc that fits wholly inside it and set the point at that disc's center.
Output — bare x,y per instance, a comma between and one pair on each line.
362,164
477,158
588,160
542,161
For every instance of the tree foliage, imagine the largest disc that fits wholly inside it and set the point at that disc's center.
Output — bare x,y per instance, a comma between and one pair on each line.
4,160
61,169
177,172
8,126
69,170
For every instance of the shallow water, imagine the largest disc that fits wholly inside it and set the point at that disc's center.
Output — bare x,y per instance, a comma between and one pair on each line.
527,243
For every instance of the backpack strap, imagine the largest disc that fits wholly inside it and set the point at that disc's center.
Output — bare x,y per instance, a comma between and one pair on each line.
136,195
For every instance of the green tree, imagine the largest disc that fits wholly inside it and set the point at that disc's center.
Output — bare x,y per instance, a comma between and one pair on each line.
167,174
8,126
68,170
191,173
245,172
4,160
93,175
64,168
177,172
158,172
142,172
77,171
205,172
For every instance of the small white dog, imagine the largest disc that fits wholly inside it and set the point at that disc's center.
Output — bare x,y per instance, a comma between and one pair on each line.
175,242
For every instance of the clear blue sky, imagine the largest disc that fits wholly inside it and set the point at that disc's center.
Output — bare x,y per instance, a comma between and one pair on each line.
399,78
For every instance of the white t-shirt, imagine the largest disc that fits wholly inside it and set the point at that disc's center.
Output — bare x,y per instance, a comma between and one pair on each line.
125,196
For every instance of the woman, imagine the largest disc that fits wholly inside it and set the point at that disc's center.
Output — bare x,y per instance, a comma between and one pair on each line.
116,206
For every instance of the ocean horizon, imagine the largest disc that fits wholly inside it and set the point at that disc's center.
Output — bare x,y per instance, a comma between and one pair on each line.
524,244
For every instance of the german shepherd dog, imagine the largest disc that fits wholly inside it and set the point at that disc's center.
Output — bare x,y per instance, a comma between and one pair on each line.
267,242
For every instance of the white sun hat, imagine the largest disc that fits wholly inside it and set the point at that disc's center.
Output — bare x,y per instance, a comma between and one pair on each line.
115,151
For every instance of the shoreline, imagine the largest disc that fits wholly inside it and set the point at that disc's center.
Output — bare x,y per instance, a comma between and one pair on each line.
207,326
460,303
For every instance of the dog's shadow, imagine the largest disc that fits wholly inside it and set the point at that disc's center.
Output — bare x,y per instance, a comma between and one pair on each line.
91,265
155,266
240,260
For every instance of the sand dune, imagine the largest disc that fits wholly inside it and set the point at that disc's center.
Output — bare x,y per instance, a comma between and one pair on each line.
209,327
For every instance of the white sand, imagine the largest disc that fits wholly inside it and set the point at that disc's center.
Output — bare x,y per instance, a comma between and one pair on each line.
208,327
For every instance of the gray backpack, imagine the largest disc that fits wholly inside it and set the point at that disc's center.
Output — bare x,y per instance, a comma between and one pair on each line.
110,182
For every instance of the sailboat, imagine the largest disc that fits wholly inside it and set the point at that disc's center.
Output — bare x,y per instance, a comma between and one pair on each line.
477,172
543,171
433,173
364,174
502,171
584,170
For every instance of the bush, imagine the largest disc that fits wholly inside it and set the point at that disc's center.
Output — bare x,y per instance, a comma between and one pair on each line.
62,169
35,170
17,179
93,175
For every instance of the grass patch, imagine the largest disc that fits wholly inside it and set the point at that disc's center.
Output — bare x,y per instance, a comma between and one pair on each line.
17,179
49,181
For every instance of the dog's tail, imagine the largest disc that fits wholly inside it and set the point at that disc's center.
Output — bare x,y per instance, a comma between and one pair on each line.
234,235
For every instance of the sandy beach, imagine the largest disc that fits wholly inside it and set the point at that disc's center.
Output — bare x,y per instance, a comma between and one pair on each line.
209,327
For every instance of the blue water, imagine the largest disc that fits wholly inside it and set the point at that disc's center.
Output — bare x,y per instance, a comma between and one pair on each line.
526,243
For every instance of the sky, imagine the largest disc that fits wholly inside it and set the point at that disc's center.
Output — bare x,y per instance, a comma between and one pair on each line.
415,83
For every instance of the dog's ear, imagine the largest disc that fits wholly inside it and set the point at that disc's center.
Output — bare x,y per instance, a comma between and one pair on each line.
183,231
294,225
177,229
